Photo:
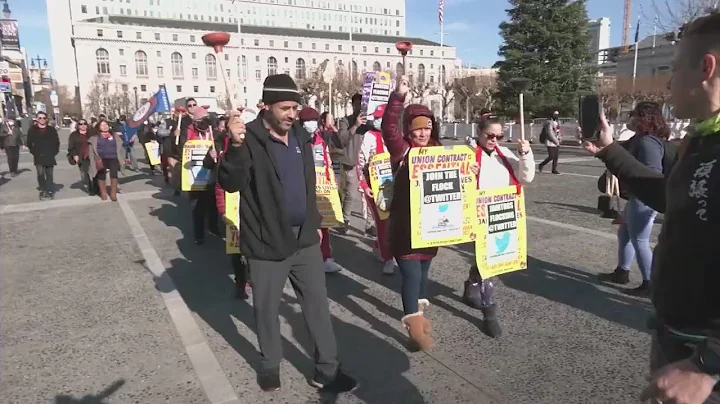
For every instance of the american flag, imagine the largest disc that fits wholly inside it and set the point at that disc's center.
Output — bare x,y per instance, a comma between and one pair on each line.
441,7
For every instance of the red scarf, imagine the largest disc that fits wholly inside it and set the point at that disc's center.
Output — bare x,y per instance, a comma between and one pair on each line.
379,146
318,139
513,179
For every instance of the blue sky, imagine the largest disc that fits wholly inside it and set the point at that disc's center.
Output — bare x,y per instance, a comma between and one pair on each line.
471,25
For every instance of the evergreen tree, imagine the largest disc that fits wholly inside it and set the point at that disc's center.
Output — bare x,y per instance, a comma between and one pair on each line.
547,43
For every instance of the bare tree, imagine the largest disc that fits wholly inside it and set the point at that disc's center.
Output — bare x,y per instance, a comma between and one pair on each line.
95,98
223,102
474,93
672,14
621,93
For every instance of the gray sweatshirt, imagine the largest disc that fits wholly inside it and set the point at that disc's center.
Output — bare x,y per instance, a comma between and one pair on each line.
350,139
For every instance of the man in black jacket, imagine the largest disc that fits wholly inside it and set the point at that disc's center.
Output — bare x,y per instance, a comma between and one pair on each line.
271,164
44,144
685,352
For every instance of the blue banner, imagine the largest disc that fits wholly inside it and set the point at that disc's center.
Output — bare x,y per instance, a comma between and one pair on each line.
159,102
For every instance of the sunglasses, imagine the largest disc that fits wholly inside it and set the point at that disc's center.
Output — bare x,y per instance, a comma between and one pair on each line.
83,123
191,105
491,136
41,118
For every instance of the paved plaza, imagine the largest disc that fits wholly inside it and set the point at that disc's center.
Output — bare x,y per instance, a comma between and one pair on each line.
114,303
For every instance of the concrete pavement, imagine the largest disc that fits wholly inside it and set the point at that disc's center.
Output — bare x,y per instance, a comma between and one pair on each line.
112,302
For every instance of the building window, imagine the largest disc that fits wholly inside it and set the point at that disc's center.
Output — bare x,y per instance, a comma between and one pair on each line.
158,54
421,73
196,89
300,69
179,89
286,60
83,9
100,33
376,67
141,67
121,52
143,87
210,67
327,46
175,37
138,35
160,72
432,79
388,65
258,75
299,45
192,38
124,87
421,52
339,48
103,61
242,72
272,66
212,89
399,70
285,44
176,62
194,72
442,74
119,34
432,53
193,56
271,43
354,69
314,45
157,36
227,57
123,70
257,42
377,49
387,51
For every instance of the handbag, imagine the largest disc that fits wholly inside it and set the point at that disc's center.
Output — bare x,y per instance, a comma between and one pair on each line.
611,191
99,164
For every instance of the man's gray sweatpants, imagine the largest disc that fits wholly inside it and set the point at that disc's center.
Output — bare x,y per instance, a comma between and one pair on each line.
306,271
351,192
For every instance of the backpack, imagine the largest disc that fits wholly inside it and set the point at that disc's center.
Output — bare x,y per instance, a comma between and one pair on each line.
543,134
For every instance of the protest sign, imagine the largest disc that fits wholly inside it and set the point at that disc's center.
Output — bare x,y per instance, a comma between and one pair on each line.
376,91
195,177
232,223
501,243
442,196
328,198
153,152
381,182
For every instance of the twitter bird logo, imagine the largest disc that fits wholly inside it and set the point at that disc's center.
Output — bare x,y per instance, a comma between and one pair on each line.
443,208
502,242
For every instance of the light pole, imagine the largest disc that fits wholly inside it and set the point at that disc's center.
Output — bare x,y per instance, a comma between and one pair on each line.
136,97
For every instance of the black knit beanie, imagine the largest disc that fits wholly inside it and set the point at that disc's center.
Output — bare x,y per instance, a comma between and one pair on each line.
280,87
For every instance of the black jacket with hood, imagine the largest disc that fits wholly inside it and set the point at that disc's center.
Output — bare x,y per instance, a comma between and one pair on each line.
265,231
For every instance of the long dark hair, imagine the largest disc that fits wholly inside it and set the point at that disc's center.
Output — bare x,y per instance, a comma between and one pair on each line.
321,120
649,120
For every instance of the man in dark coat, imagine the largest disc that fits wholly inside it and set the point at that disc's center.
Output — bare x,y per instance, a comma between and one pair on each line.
11,141
44,144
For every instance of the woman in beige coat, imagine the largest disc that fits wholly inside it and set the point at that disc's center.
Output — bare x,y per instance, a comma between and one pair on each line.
105,153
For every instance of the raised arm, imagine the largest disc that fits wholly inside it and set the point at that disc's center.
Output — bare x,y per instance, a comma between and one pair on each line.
236,163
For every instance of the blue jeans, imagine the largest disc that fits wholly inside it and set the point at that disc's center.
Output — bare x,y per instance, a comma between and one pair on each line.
414,282
634,237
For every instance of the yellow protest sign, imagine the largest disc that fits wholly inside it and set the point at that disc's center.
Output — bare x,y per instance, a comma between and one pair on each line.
328,198
381,182
501,244
442,196
195,177
232,223
153,152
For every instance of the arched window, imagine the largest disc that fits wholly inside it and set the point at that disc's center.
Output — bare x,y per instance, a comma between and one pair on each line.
376,67
103,61
176,62
300,69
399,69
242,68
354,70
272,66
442,74
210,67
421,73
141,65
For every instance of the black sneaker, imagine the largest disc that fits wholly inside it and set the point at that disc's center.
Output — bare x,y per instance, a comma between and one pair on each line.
200,241
342,383
491,322
344,229
642,291
371,231
556,172
540,168
41,195
619,276
50,195
269,380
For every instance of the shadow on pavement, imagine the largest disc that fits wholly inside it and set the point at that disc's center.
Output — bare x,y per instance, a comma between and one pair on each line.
203,279
91,399
569,206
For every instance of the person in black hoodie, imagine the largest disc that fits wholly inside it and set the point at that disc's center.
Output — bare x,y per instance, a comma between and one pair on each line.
685,351
44,144
78,152
270,162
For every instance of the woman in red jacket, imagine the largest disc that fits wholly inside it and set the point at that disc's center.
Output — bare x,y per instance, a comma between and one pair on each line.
418,130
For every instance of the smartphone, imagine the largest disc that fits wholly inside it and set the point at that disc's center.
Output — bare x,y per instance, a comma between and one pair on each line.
590,109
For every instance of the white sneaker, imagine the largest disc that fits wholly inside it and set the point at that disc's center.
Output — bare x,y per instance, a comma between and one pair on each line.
389,267
332,267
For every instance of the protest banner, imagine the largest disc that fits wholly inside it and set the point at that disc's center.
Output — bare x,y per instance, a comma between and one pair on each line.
442,196
195,177
501,243
381,182
328,198
376,91
153,152
232,223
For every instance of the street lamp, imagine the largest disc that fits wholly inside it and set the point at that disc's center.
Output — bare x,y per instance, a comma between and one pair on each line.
521,85
136,97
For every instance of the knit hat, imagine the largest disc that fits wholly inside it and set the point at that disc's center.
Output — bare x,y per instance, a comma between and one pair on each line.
308,114
278,88
199,114
420,122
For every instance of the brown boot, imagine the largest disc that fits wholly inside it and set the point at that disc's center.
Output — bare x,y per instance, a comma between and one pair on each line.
102,190
113,189
416,324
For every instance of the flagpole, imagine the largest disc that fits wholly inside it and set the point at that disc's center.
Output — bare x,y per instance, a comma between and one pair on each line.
637,41
654,32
